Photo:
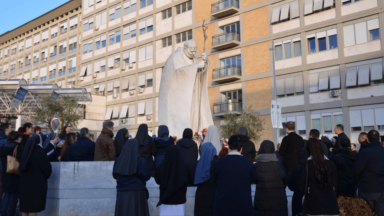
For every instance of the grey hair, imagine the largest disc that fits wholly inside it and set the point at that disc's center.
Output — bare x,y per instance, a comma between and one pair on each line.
107,124
84,131
189,42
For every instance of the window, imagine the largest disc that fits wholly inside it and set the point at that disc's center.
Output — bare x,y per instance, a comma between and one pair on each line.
63,27
146,53
129,56
101,19
52,71
101,42
289,86
114,37
144,3
45,35
167,13
312,6
85,48
234,27
366,119
299,123
43,74
167,41
129,6
72,65
231,61
129,31
53,31
333,42
36,58
361,32
184,36
312,45
62,68
53,52
72,44
146,25
365,73
285,12
327,79
88,24
322,44
283,50
73,22
114,12
181,8
146,80
99,66
88,3
346,2
113,62
36,40
63,48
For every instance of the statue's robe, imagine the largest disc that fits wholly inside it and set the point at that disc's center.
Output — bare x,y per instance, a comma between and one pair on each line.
179,96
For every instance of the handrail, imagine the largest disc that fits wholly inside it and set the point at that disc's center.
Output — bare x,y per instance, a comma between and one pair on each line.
226,71
223,4
225,37
227,107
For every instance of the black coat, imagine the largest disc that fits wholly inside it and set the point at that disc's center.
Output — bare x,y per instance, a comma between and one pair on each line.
10,182
249,150
232,175
369,169
190,153
82,150
293,185
290,151
270,196
162,146
344,162
340,138
205,196
147,152
318,200
33,182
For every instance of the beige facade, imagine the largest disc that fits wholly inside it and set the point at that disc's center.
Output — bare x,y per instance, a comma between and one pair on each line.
328,58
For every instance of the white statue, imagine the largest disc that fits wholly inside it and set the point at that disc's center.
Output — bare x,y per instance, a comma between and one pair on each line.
184,91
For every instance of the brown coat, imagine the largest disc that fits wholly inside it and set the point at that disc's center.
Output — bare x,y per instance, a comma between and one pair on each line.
105,148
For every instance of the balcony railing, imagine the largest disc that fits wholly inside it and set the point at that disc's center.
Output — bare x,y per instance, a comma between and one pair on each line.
226,71
222,108
224,7
226,40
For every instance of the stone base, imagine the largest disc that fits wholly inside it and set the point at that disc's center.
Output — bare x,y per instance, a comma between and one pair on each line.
88,189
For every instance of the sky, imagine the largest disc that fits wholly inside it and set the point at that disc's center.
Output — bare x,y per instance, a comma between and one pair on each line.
26,10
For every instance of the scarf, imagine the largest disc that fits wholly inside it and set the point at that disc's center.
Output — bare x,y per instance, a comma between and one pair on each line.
203,168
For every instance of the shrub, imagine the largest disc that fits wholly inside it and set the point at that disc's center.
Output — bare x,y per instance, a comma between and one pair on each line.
353,207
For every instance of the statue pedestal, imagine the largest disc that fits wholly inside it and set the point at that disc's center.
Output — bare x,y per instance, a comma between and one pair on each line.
88,188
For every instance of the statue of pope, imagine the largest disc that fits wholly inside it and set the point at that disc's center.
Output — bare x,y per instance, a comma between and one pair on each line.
184,91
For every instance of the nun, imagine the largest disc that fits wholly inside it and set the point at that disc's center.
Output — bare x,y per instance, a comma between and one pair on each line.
131,173
147,146
163,141
120,139
35,170
205,193
189,152
172,176
212,136
49,146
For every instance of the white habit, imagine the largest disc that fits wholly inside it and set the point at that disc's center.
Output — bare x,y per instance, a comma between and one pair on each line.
180,92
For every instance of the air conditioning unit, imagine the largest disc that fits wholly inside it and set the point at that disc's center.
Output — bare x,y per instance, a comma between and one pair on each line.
123,65
123,121
63,68
149,117
45,60
141,90
81,78
130,65
97,28
94,75
132,92
335,93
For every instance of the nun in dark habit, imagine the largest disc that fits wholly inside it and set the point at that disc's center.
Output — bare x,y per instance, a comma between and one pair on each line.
163,141
172,176
205,193
120,139
49,146
189,152
131,173
35,170
147,146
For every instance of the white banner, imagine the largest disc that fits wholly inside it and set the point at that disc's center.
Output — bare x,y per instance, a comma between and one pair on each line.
278,114
274,114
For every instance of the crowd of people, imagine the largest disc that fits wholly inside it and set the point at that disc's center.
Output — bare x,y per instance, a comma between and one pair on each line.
317,170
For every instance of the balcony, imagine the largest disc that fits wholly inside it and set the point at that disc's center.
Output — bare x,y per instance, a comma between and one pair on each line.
226,74
225,40
219,109
224,8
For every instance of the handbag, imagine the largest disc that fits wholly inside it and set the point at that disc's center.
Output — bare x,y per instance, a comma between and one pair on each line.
13,163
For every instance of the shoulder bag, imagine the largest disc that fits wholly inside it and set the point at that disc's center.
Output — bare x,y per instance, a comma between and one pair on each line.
13,163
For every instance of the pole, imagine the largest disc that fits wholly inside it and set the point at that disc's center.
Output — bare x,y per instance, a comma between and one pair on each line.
201,77
18,120
276,137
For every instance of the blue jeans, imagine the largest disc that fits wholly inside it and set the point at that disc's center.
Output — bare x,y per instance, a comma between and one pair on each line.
9,203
